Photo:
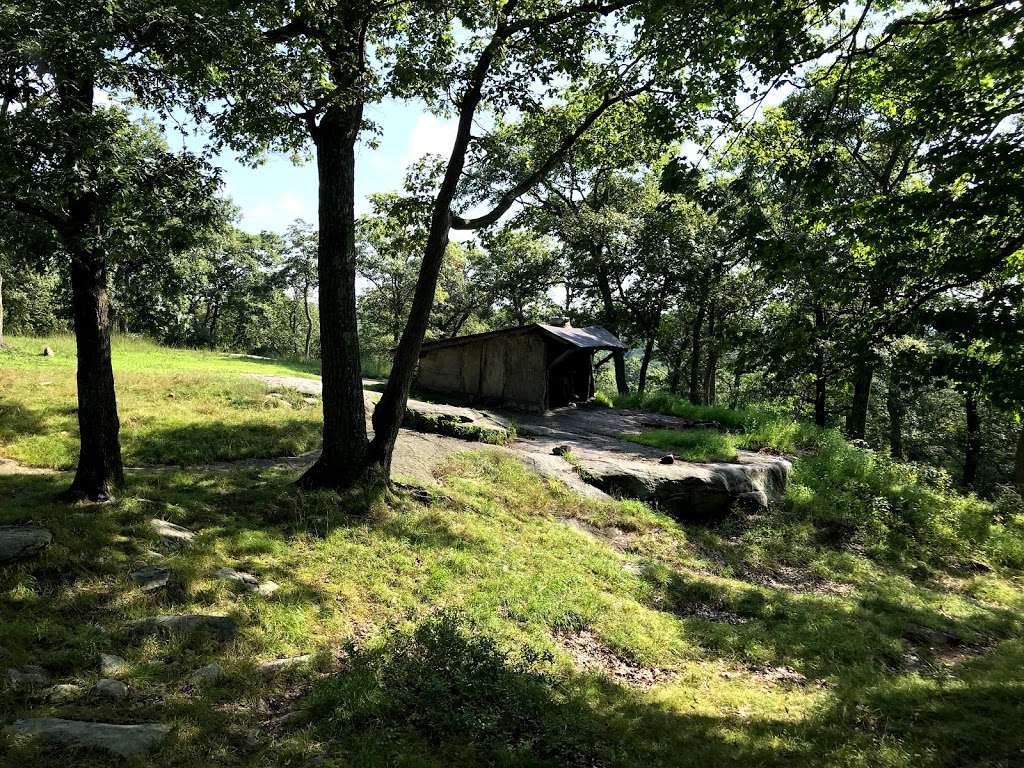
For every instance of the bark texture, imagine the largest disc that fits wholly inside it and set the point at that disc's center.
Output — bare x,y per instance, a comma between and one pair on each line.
972,444
857,419
343,460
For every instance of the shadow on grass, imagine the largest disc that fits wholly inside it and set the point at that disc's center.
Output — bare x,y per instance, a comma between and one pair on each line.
823,636
447,695
210,442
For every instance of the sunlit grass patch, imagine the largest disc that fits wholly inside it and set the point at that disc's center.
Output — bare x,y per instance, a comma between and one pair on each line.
690,444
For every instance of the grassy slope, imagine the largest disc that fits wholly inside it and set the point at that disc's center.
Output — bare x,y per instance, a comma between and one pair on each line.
177,406
904,665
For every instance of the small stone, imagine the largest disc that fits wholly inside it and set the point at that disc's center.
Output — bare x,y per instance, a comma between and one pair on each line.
668,458
171,534
211,673
111,665
277,665
245,580
124,740
63,693
18,542
151,577
29,676
267,588
221,627
110,689
47,352
170,395
310,400
561,450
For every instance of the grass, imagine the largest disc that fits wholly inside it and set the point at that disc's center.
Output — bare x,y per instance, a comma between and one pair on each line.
690,444
509,622
182,407
450,619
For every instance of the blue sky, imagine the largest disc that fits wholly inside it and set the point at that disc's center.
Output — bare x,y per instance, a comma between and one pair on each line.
276,193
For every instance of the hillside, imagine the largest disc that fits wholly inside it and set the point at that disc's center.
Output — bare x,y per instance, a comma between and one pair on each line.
871,618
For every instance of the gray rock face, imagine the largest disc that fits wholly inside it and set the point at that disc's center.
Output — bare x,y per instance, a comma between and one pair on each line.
63,693
694,491
111,665
123,740
267,588
211,673
151,577
18,542
47,352
220,627
170,534
28,676
110,689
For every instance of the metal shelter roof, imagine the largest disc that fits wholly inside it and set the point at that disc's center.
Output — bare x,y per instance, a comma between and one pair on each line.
591,337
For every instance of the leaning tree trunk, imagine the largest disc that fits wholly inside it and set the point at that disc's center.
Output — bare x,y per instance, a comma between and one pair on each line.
645,362
972,444
1018,465
309,320
696,396
894,405
711,370
857,419
618,355
342,462
1,310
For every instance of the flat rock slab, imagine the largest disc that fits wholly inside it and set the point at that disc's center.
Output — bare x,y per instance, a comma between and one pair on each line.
18,542
63,693
151,577
171,534
220,627
123,740
697,492
277,665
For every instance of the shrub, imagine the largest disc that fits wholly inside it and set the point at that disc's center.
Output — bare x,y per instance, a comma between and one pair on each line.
457,691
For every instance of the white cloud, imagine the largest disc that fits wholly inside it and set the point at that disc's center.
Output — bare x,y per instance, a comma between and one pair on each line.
430,135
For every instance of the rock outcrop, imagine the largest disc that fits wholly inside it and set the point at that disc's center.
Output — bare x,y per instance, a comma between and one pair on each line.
126,741
18,542
692,492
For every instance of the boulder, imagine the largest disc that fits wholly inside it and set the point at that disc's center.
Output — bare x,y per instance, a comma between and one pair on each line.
267,588
47,352
241,579
220,627
170,534
28,676
110,689
697,492
151,577
211,673
63,693
126,741
18,542
111,665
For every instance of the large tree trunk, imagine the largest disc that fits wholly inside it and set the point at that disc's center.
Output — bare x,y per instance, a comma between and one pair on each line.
342,462
618,356
894,405
696,349
857,419
972,445
1,310
309,319
100,469
1018,469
